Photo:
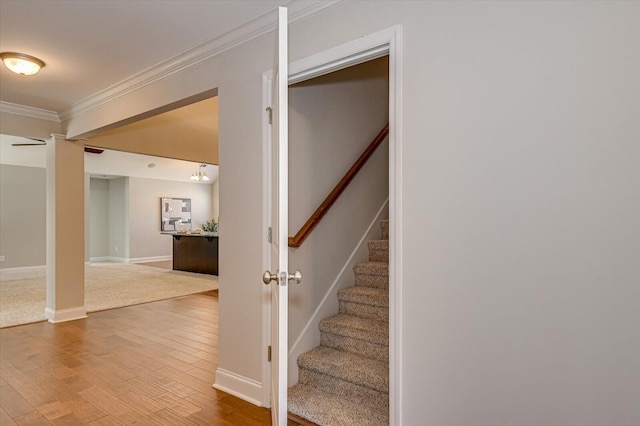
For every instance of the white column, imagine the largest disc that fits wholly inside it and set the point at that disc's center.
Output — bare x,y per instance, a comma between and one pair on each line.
65,230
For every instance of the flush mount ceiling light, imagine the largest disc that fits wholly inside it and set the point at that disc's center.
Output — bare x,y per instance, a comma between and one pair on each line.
20,63
200,176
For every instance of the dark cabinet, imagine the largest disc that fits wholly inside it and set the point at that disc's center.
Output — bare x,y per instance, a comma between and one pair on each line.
195,253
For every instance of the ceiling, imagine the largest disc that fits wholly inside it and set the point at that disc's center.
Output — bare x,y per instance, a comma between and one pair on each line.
107,165
93,46
89,46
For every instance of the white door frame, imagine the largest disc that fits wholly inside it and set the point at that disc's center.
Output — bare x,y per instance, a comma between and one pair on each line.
382,43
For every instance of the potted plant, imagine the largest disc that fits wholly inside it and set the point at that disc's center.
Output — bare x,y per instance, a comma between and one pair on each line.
210,226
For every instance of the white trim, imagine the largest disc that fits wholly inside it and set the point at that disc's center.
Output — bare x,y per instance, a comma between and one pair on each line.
310,332
150,259
395,227
64,315
266,247
27,111
244,388
109,259
341,57
348,54
250,31
23,273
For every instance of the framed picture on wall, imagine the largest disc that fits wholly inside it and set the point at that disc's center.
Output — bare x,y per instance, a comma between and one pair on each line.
175,214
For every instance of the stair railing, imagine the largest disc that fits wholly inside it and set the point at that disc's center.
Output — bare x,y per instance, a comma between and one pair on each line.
315,218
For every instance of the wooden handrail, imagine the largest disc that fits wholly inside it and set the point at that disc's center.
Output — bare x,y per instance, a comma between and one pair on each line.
315,218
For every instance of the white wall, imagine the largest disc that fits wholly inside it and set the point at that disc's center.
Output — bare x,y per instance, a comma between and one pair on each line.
99,217
125,212
22,218
144,213
332,120
215,200
520,203
119,240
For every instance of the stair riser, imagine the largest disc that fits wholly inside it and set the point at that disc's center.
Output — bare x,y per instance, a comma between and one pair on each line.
376,281
353,392
378,251
377,298
377,255
355,346
380,313
324,409
384,227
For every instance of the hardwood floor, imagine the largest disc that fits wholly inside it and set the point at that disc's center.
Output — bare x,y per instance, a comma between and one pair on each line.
146,364
163,264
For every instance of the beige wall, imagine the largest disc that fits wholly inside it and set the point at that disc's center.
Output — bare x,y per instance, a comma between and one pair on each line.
20,125
144,213
66,220
520,203
188,133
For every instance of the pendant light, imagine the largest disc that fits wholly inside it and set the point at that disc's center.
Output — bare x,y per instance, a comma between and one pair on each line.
200,176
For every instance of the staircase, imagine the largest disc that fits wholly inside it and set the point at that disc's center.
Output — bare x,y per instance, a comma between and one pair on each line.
345,381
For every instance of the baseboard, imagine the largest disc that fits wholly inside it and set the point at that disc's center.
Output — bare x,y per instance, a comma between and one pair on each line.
64,315
109,259
247,389
150,259
309,337
23,273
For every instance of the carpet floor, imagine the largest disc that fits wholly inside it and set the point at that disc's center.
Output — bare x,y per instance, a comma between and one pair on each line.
107,286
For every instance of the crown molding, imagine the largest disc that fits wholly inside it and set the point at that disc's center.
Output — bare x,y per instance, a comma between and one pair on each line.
252,30
27,111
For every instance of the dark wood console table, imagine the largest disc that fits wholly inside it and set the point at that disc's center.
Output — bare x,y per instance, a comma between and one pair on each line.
195,253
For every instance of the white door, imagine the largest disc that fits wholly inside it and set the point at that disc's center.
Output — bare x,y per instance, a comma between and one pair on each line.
279,278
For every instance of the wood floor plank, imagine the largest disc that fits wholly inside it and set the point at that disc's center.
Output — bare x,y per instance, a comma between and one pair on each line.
13,403
107,421
82,411
142,402
151,364
5,418
113,405
169,418
27,387
32,419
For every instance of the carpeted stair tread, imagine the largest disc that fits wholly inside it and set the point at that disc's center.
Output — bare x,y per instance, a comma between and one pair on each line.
346,366
372,268
357,328
329,410
365,295
343,389
355,346
345,381
378,244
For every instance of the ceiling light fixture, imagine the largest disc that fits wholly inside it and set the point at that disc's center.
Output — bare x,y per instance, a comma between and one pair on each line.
200,176
20,63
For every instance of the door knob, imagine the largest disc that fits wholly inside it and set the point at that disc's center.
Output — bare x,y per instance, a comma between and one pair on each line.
267,277
297,277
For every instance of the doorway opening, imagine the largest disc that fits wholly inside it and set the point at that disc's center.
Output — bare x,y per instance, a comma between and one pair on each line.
160,158
383,44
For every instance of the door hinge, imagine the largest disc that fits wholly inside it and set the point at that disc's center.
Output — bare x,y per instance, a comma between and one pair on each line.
270,235
269,354
270,111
